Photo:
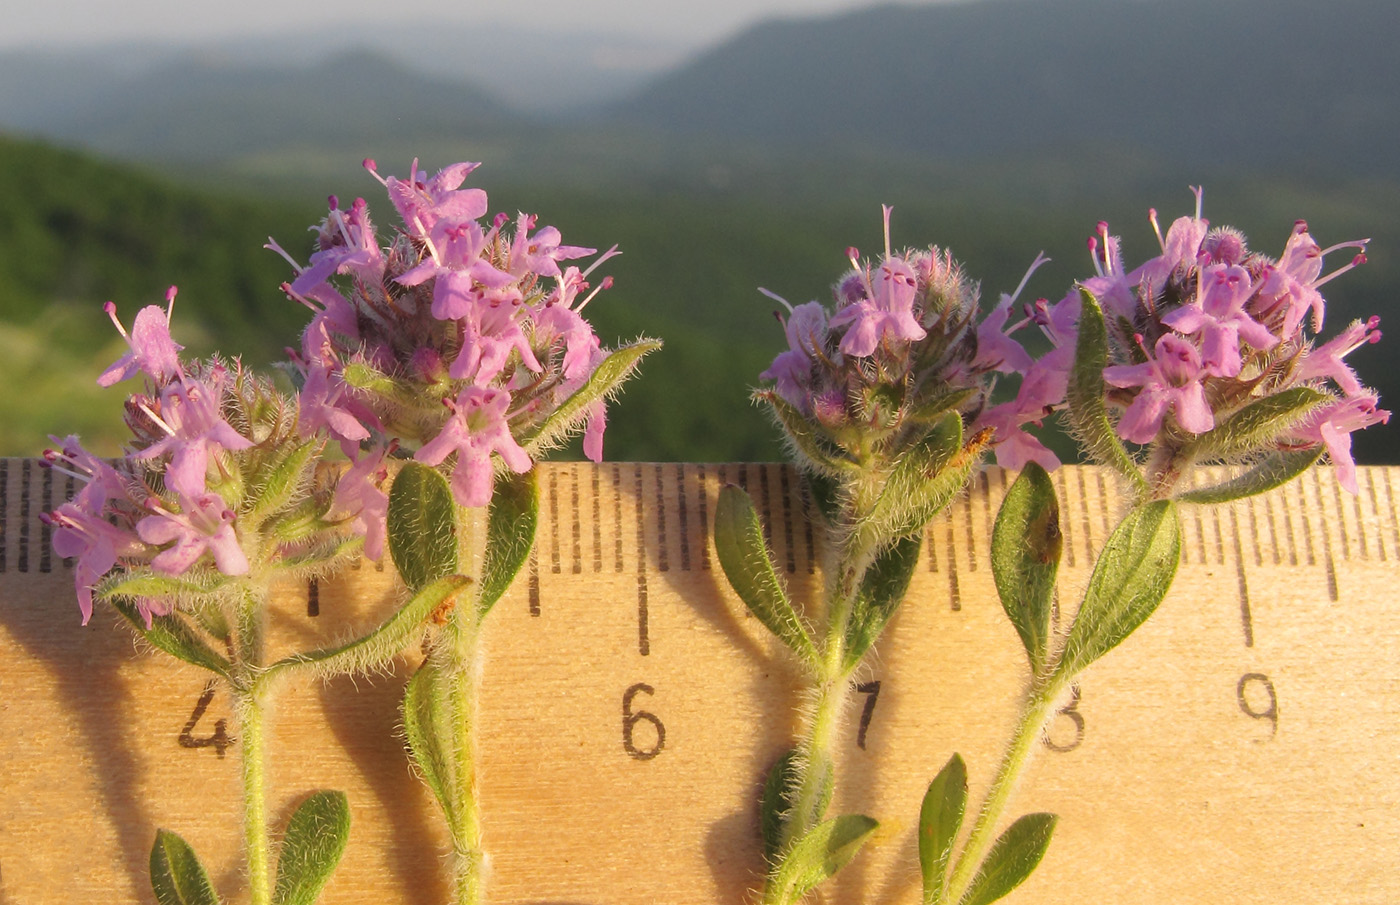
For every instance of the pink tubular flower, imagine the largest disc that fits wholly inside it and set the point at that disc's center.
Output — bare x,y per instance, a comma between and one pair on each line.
1217,314
196,430
422,203
153,352
1170,379
360,498
886,315
1325,361
476,429
1333,426
203,524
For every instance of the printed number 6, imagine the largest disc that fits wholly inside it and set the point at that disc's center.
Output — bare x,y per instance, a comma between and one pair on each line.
630,720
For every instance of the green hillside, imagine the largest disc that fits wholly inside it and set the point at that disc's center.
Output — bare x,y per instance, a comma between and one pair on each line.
75,232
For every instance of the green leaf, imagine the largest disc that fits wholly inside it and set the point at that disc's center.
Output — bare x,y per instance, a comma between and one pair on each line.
746,562
422,526
602,384
177,877
775,805
510,533
933,409
284,481
1087,411
173,634
1256,426
940,818
807,438
819,854
1012,859
922,483
881,591
379,646
312,847
427,721
1134,571
1026,545
1272,471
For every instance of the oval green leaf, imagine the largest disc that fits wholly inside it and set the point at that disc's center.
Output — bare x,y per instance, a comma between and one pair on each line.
510,534
1026,546
1012,859
426,722
311,848
881,591
173,634
940,818
1087,411
422,526
743,555
1134,571
177,877
1272,471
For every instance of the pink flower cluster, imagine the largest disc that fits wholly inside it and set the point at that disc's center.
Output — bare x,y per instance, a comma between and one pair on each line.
457,338
1208,327
171,505
904,333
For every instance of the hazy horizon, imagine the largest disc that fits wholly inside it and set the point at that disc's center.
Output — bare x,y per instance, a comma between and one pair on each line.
76,24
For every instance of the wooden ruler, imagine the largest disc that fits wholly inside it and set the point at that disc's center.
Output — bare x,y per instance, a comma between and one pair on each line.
1243,747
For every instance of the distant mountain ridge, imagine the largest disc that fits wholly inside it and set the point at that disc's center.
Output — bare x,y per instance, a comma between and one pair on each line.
1261,81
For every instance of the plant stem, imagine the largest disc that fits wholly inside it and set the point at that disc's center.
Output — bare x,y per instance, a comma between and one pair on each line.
250,711
464,652
814,765
249,703
1037,711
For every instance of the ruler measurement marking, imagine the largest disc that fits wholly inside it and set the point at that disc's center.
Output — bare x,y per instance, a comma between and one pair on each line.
785,490
70,489
1341,516
22,551
617,517
643,638
767,505
597,521
313,598
1219,536
1390,507
577,521
809,515
4,509
954,595
1108,512
931,545
1084,515
1288,529
1380,515
663,556
1246,614
683,517
533,583
45,531
554,564
966,507
1361,543
1308,550
1327,560
703,511
1253,533
1068,545
987,516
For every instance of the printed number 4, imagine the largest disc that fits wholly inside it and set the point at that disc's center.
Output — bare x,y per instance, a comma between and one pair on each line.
220,740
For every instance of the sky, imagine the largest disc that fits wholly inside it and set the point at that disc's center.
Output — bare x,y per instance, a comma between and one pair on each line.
59,23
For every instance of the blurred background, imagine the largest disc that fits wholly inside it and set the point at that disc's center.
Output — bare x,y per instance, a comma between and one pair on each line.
724,146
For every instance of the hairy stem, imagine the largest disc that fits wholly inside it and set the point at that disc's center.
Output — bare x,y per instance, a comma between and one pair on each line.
1035,714
249,704
814,766
463,648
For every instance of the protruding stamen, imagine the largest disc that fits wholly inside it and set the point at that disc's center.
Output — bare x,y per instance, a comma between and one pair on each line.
777,298
887,209
1040,259
1156,228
